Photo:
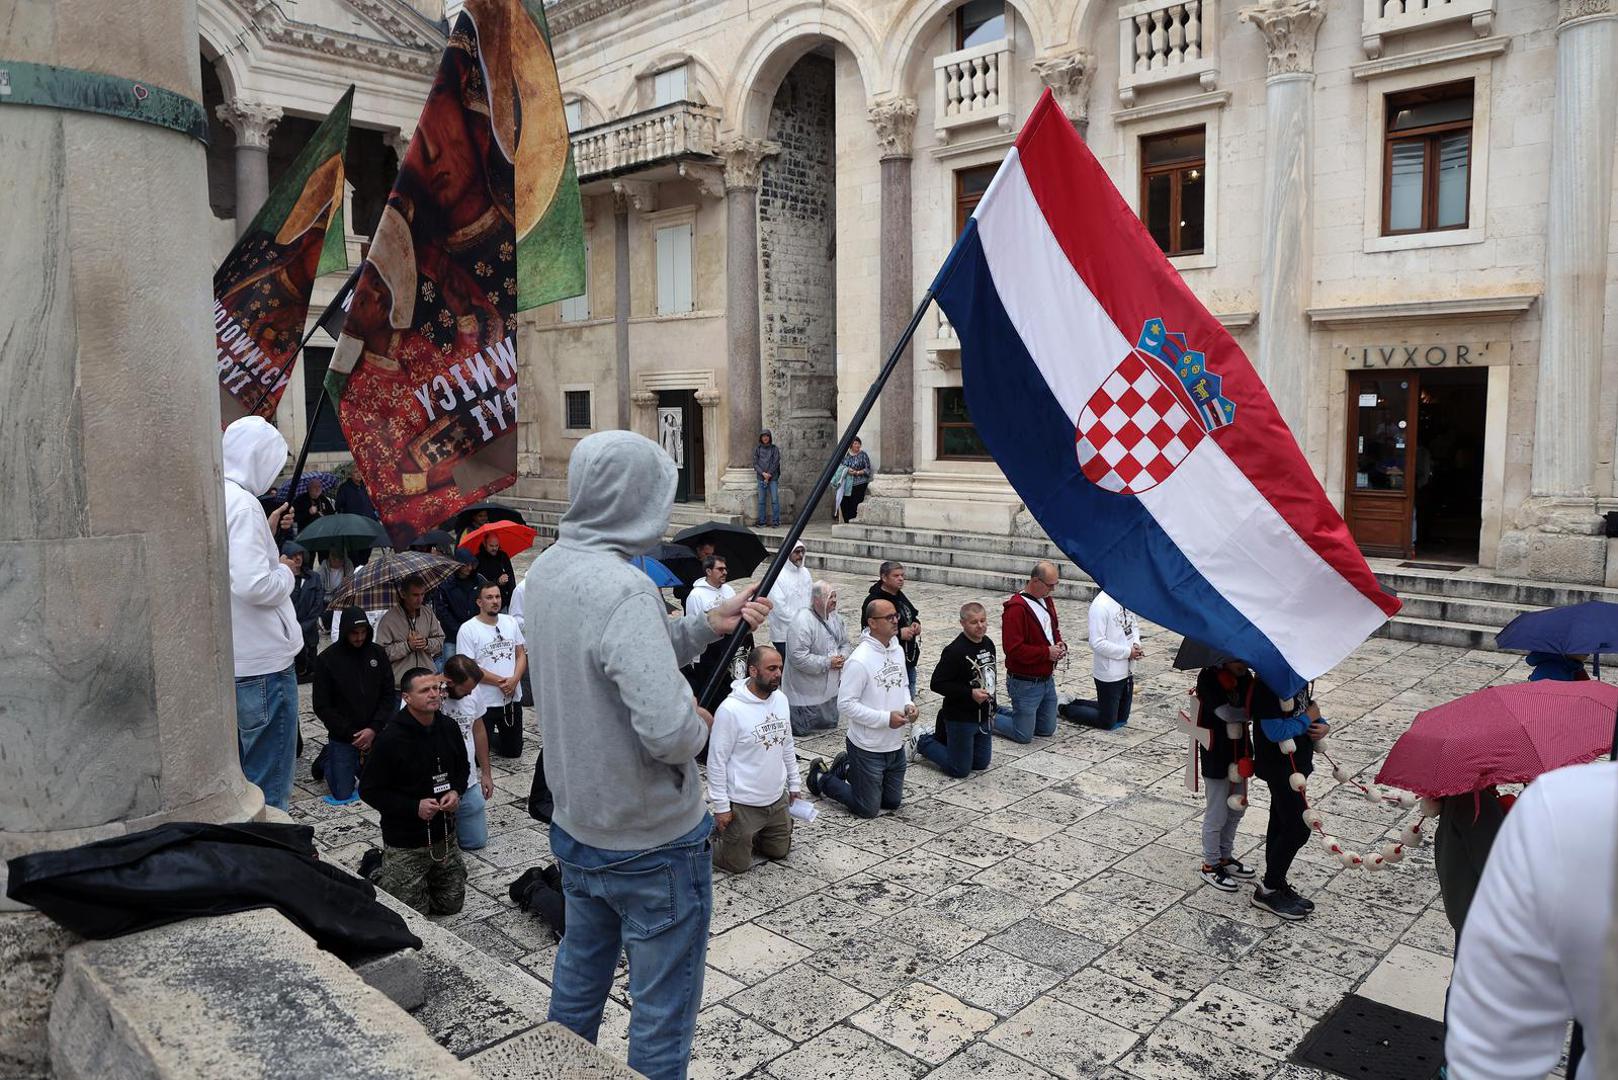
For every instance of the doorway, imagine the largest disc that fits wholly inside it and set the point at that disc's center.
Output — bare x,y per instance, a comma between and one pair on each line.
1415,462
679,433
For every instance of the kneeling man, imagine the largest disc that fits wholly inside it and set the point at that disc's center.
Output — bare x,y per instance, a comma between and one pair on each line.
869,776
753,767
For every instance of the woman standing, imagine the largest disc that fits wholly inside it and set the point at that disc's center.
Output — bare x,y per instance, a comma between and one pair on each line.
854,477
494,566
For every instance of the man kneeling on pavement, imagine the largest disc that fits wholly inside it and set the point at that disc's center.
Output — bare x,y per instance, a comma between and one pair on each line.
753,767
414,777
869,776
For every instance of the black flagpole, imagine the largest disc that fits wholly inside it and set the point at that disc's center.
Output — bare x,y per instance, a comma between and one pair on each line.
719,680
331,320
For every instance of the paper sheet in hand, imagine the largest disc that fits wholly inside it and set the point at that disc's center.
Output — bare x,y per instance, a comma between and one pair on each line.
803,810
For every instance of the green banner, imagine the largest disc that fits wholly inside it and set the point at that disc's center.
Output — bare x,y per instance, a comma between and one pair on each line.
109,95
550,217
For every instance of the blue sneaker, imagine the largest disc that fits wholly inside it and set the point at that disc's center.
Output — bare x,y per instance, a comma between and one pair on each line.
332,800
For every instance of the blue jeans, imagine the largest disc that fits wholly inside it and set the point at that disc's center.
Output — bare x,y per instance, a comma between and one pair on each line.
1111,707
769,490
655,905
872,780
910,673
267,732
443,658
1033,709
968,748
472,817
342,769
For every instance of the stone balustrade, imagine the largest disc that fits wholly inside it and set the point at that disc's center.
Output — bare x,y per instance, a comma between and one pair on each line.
1385,18
665,133
973,86
1165,42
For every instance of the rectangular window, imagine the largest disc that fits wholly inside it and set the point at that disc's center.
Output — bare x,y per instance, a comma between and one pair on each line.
574,111
978,22
1173,178
577,309
970,184
674,269
328,434
669,86
576,406
957,439
1427,160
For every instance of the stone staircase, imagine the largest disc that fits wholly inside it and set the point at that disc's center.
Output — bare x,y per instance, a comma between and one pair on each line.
543,515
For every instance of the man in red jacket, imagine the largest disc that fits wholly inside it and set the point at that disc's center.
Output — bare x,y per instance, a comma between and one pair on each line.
1032,640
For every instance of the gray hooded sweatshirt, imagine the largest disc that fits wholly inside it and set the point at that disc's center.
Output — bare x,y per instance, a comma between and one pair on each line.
619,725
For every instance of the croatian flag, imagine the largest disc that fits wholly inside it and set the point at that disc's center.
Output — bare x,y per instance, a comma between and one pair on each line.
1133,427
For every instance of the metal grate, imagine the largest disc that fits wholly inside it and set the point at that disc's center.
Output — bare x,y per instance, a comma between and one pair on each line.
1367,1040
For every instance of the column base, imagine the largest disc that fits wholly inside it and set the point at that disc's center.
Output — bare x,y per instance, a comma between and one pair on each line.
1559,539
737,494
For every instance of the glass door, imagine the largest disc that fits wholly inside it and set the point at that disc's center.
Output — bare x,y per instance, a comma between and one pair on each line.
1381,445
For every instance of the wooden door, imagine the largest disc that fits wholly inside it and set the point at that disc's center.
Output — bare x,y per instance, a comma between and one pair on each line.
1381,446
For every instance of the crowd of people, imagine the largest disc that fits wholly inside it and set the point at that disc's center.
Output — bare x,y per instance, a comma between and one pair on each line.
416,709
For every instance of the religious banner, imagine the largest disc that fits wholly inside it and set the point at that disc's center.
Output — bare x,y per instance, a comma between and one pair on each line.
483,221
261,290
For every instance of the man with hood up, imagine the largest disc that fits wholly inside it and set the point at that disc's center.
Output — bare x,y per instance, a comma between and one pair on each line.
264,626
621,729
753,767
816,646
790,595
767,470
456,600
354,698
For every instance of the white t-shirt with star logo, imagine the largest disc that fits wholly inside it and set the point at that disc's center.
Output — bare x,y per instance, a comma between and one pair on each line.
751,758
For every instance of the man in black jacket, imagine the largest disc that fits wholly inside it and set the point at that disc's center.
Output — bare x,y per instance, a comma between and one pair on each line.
966,678
456,601
890,586
354,698
414,778
308,603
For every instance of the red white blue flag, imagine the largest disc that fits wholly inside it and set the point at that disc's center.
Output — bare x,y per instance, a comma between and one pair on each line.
1134,428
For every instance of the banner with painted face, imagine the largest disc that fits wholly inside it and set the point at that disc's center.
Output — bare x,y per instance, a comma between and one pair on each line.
483,221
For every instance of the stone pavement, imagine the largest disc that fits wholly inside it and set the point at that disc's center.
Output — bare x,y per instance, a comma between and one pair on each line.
1041,919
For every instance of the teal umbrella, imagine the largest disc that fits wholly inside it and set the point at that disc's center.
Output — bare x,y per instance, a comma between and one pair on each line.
345,531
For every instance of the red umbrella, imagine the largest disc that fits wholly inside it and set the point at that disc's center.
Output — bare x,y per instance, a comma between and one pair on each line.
1502,735
514,536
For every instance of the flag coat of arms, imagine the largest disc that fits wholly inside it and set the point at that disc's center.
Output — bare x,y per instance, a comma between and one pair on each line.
483,221
261,290
1133,427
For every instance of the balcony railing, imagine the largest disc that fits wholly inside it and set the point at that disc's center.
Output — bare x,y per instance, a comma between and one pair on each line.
1384,18
665,133
1161,42
972,86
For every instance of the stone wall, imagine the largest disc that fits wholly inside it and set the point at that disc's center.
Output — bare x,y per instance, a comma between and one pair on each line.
797,233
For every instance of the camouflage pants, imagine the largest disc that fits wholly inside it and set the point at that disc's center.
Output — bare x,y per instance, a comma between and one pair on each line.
429,886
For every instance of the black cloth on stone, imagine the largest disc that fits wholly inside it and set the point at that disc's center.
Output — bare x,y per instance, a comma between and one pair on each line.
183,869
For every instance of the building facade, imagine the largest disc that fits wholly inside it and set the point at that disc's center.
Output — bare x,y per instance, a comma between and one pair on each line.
1401,209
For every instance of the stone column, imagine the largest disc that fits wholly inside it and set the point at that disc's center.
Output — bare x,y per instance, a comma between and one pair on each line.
645,405
744,160
1284,360
708,401
895,122
119,711
252,121
1069,76
620,303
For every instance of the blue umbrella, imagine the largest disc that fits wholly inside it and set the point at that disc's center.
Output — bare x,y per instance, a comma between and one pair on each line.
328,482
661,575
1588,629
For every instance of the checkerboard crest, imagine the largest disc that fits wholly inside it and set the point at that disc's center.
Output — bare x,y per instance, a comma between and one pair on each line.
1149,414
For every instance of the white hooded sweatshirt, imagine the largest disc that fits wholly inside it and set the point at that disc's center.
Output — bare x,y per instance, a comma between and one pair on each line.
263,624
751,760
790,595
703,597
874,685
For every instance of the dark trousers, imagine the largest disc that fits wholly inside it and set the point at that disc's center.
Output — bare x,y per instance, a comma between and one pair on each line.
1109,710
869,781
851,502
504,725
968,748
1286,833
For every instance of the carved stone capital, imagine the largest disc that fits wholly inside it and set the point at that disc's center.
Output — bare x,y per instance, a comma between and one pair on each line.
895,123
1289,28
644,399
399,141
708,399
1069,76
1584,9
744,160
638,195
252,121
710,179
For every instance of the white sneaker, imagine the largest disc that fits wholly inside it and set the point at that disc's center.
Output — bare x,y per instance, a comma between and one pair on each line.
912,742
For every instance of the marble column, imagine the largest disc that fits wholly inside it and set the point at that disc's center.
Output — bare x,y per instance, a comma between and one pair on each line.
1069,77
119,707
645,414
1284,354
252,121
620,303
895,123
744,161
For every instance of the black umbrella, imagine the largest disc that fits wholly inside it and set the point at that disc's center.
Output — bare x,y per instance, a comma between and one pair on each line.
742,550
680,560
496,512
1195,655
343,531
434,538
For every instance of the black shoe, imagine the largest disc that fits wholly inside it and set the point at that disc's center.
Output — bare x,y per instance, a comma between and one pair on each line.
370,863
1237,869
839,765
1277,902
1298,898
817,769
1216,876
